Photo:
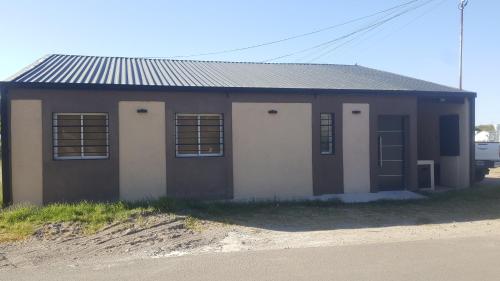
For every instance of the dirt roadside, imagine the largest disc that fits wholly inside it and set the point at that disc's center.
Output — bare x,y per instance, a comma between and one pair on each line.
161,235
65,243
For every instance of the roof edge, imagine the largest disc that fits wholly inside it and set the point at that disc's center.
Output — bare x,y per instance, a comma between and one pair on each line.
86,86
410,77
40,71
27,68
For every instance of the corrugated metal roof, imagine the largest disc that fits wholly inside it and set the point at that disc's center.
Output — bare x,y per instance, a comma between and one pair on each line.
75,69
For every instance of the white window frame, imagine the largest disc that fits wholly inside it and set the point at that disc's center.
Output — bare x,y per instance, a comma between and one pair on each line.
55,150
199,154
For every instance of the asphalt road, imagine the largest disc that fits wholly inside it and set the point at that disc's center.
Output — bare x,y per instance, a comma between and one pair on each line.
451,259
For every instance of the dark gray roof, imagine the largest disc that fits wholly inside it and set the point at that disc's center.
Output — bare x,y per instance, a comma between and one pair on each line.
75,69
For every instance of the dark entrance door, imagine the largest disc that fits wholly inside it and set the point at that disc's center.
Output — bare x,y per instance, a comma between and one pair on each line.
391,151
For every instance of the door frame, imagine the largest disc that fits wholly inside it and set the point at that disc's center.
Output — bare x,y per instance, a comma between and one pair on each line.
406,152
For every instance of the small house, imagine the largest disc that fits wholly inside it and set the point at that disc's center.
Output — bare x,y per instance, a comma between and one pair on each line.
115,128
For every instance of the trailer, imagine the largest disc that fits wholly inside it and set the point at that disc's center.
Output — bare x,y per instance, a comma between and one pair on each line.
487,157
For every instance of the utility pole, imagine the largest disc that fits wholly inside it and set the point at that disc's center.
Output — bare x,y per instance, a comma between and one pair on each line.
461,7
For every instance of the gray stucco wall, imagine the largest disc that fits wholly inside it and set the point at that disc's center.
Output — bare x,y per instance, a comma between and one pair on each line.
201,177
429,112
406,106
72,180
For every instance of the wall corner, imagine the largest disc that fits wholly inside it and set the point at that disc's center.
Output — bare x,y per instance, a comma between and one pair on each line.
5,145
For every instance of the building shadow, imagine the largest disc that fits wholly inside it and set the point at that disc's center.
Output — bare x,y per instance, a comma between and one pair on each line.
481,202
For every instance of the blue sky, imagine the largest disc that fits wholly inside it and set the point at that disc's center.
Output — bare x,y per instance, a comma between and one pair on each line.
422,43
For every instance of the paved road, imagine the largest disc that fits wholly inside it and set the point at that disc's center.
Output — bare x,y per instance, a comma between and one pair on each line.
450,259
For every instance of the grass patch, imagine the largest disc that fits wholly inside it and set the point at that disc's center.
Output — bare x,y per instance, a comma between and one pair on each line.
193,224
477,203
19,222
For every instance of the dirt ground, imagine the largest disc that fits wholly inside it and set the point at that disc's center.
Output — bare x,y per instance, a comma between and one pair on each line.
155,235
163,235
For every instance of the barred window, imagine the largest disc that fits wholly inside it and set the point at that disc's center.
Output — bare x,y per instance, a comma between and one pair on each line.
80,136
327,133
199,135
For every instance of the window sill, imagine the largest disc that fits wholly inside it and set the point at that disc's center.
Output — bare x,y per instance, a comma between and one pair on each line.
198,155
82,158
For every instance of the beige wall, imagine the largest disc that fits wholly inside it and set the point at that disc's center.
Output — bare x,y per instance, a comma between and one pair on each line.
356,147
272,153
454,170
26,150
465,139
142,150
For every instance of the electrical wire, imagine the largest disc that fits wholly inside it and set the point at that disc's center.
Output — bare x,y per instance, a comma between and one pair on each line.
349,34
295,36
361,35
407,23
343,44
320,50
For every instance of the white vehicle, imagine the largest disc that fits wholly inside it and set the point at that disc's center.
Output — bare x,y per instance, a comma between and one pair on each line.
487,156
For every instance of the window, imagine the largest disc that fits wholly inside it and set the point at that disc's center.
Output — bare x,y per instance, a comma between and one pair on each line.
327,133
199,135
449,135
80,136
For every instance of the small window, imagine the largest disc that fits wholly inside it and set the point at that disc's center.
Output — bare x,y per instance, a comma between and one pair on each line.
327,133
199,135
80,136
449,135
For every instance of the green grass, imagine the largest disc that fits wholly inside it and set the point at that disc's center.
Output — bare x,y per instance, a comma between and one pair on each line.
18,222
21,221
193,224
482,202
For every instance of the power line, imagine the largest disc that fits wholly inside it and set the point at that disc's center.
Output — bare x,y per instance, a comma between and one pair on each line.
349,34
296,36
343,44
370,26
364,29
394,31
432,8
323,48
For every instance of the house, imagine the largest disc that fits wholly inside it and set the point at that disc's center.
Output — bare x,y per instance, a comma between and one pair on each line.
109,128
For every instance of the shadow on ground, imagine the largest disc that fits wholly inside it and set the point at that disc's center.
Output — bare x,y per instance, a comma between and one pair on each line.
481,202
